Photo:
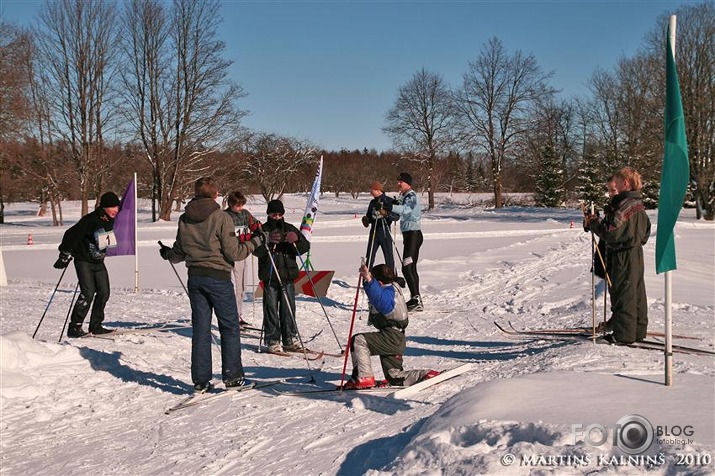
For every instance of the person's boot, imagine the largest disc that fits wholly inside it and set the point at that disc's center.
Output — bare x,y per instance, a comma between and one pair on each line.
359,383
415,304
75,331
98,330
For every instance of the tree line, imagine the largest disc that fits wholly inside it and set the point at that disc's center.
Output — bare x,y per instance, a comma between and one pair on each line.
100,90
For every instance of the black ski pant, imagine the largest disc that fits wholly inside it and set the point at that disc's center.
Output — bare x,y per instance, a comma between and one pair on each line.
381,238
278,319
94,286
412,243
629,304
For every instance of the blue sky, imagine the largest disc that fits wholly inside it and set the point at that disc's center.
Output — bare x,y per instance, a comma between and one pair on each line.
328,71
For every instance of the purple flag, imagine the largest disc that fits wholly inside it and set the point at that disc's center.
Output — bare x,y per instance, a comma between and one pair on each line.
125,224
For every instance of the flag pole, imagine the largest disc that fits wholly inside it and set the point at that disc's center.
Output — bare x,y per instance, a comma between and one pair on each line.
136,241
668,284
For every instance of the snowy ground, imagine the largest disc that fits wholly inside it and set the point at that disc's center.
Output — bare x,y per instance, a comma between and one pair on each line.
96,406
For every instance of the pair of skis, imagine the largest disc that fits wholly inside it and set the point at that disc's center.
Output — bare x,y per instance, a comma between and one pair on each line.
396,392
137,331
586,334
220,392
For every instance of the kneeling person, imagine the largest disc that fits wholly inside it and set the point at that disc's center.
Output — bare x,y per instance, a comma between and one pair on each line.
388,313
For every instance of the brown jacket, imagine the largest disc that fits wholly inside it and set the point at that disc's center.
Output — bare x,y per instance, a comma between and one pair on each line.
206,240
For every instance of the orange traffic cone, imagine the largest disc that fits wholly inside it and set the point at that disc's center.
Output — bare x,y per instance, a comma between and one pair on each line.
571,225
29,239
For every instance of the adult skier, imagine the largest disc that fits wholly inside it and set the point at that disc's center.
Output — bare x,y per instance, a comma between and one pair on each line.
625,230
408,208
206,241
380,236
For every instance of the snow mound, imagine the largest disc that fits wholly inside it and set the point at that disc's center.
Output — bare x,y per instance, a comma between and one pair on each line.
475,432
22,359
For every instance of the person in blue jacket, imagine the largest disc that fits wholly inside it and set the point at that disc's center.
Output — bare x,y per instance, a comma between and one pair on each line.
388,313
407,208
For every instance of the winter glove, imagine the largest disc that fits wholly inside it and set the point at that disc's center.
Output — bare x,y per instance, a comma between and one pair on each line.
383,212
253,224
258,238
164,251
291,237
63,260
365,221
275,236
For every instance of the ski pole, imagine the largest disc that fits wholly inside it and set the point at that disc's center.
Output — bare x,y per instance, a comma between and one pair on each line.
593,281
50,301
371,252
386,229
605,271
68,312
352,324
284,291
213,337
176,272
312,285
263,321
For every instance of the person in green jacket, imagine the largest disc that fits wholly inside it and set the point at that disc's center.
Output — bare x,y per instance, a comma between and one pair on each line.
625,230
206,241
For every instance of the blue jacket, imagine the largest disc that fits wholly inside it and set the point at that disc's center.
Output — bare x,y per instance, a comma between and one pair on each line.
409,210
387,305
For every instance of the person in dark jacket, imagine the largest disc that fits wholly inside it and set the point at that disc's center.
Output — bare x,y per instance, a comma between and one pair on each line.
285,242
388,313
380,236
87,242
206,241
245,225
625,230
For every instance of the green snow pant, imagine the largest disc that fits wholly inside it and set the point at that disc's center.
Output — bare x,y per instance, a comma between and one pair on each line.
629,304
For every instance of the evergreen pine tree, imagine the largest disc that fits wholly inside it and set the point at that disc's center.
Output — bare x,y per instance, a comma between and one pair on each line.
550,180
591,181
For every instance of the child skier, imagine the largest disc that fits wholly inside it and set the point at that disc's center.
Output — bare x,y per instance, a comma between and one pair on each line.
388,313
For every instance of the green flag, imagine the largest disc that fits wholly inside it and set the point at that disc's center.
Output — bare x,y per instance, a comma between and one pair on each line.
676,168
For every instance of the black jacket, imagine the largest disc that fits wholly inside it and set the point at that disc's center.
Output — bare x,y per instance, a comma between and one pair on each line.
80,240
284,254
372,215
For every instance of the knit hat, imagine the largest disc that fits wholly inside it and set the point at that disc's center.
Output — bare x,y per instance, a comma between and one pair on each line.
275,206
376,186
405,177
109,200
383,273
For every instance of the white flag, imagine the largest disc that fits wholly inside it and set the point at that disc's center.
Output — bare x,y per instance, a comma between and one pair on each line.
311,208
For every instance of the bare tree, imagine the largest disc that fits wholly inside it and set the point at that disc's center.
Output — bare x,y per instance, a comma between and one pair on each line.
182,104
422,122
14,94
76,42
496,100
273,161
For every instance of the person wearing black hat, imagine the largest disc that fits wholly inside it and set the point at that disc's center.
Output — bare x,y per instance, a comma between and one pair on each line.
285,242
388,313
407,208
380,236
87,242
